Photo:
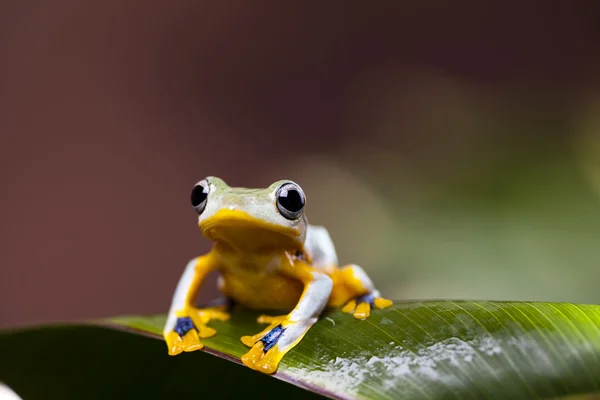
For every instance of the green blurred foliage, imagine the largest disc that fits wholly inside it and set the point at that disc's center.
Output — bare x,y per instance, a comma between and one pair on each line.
491,196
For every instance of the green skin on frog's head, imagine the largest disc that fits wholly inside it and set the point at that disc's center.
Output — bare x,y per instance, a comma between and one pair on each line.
234,215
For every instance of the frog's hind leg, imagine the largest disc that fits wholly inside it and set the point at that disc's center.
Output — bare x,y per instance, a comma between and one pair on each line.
284,332
354,288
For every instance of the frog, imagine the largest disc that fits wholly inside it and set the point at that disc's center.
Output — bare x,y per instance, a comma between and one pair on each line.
268,257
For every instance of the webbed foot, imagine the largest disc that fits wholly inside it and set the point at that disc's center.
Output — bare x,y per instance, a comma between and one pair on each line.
269,346
190,327
183,337
361,306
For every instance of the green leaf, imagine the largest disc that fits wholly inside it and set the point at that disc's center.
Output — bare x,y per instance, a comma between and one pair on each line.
413,350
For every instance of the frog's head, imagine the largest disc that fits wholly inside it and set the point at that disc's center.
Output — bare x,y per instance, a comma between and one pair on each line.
251,219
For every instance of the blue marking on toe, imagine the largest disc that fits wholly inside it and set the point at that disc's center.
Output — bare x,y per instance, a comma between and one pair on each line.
271,338
366,298
183,326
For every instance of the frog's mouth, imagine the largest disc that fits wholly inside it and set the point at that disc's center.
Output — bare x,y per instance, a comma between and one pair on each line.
240,229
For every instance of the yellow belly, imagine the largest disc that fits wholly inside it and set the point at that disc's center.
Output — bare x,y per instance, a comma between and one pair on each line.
261,291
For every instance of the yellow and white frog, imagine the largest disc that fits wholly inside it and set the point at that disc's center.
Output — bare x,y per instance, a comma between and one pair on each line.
268,257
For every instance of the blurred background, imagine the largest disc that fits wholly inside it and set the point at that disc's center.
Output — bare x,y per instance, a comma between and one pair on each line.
452,150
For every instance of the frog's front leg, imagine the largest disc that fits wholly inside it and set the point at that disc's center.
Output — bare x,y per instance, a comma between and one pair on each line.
284,332
352,283
186,324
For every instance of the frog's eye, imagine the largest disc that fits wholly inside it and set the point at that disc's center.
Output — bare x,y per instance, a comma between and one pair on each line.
199,196
290,200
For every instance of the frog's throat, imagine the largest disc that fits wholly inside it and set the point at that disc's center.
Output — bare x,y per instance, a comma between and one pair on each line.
226,218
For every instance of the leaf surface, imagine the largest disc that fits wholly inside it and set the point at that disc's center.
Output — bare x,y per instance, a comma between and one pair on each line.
413,350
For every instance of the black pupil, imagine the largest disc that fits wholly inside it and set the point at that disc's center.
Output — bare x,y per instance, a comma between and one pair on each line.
291,200
199,194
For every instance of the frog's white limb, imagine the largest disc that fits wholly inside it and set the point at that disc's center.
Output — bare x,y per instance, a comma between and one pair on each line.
320,248
307,312
180,296
314,298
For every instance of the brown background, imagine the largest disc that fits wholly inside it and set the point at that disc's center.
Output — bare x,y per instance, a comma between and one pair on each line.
111,110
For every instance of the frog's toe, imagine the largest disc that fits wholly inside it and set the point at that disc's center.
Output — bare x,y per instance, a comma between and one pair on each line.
202,316
253,356
349,307
382,303
184,337
272,332
268,319
362,305
264,355
191,341
270,361
174,343
362,311
197,318
206,331
259,360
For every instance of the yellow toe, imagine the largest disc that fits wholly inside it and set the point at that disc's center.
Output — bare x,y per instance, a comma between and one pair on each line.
349,307
177,345
202,316
200,320
270,361
251,340
191,341
206,331
254,355
363,310
174,350
174,343
267,368
271,319
219,315
248,340
382,303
